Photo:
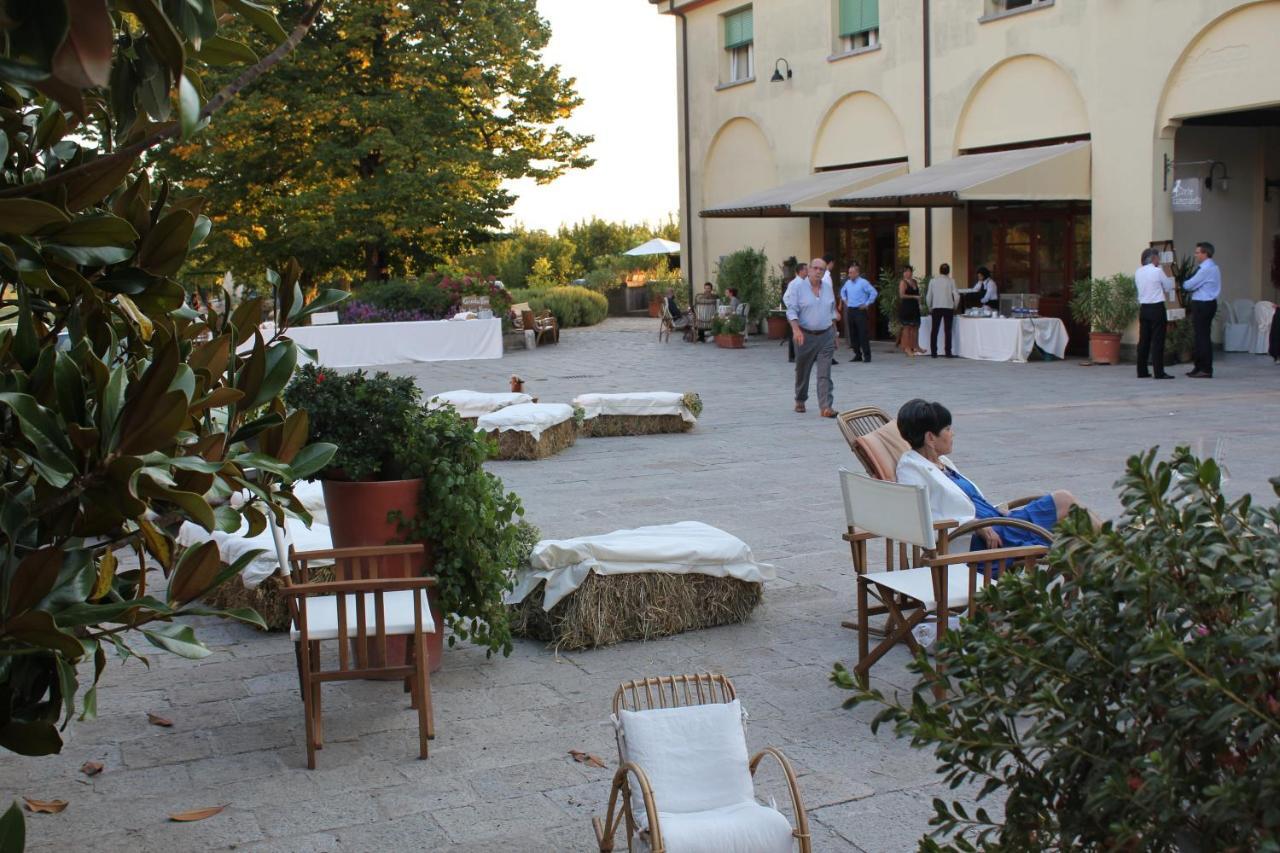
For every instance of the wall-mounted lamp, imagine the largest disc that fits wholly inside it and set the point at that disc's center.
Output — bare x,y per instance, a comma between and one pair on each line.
777,72
1224,182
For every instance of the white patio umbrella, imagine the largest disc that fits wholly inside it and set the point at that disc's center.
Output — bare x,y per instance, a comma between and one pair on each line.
656,246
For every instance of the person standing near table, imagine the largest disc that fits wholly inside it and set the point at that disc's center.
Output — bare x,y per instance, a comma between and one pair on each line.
909,312
856,295
1204,288
989,294
811,311
830,259
942,298
1154,286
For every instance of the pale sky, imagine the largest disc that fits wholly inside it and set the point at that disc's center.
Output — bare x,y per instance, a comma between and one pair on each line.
622,54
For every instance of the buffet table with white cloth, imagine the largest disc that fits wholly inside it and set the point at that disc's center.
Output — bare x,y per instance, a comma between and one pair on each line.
374,344
1000,338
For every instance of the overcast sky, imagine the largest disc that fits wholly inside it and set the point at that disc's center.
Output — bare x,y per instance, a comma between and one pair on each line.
622,53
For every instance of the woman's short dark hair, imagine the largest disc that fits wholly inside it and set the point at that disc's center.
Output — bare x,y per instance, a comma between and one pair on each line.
984,272
917,417
945,269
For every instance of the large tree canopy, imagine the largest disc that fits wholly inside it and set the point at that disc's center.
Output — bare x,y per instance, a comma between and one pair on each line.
383,146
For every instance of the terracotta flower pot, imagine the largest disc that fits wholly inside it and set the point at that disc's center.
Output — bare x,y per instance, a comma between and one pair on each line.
655,308
358,517
1104,348
729,341
777,327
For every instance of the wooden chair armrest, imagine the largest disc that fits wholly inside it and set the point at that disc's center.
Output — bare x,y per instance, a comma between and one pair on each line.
801,832
358,586
1017,502
945,524
992,555
858,536
1000,521
608,829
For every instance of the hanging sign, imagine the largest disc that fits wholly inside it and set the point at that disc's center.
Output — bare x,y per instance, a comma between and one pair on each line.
1186,195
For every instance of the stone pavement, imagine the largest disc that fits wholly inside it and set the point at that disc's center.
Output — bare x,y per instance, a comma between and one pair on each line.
499,776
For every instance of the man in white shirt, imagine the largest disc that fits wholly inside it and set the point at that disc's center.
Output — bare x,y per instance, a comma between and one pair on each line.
942,297
1154,285
989,294
829,259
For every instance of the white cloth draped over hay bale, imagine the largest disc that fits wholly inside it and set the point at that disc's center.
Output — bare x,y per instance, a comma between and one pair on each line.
258,586
635,584
473,404
530,430
636,413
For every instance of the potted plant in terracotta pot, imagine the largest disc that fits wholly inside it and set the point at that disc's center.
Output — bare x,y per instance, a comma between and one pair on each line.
405,474
728,331
1108,306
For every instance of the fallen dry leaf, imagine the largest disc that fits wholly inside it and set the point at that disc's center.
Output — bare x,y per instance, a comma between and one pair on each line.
587,758
91,768
45,806
157,720
197,814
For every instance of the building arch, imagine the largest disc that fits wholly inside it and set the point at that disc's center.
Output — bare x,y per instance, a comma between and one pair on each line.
1021,99
1225,68
863,116
739,161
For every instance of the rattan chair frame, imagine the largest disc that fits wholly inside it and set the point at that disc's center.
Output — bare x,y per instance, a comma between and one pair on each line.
357,572
677,691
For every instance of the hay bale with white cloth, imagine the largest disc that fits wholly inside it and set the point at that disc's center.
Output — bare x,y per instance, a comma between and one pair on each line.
470,405
636,584
530,430
638,412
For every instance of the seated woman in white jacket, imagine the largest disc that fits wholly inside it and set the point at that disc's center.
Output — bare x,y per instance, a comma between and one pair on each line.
927,428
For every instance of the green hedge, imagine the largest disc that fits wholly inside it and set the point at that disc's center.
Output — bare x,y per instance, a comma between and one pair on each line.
571,305
401,295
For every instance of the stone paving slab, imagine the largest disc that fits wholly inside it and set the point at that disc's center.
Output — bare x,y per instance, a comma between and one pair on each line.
499,776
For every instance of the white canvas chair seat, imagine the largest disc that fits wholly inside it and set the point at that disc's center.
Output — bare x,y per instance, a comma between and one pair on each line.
740,828
1264,313
917,584
1239,333
397,608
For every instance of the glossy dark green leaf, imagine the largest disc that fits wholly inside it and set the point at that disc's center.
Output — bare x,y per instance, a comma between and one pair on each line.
195,573
281,360
13,830
84,59
261,17
188,107
34,579
128,280
179,639
312,459
52,450
36,738
27,216
163,38
90,256
220,50
165,247
96,229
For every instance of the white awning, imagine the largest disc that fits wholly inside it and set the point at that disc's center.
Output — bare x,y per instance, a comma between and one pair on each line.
1047,173
656,246
808,195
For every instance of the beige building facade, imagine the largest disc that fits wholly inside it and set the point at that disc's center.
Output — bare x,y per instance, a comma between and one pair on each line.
1040,138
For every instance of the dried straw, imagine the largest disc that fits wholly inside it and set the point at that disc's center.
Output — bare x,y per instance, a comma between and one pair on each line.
514,444
611,425
608,609
268,599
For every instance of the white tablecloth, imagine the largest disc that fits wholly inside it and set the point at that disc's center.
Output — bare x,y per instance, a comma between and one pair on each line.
372,344
1000,338
533,418
642,403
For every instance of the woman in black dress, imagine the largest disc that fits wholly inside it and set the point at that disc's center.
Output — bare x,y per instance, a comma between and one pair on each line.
909,313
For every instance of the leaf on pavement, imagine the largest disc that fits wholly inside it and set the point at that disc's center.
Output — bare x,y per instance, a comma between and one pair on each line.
91,768
44,806
587,758
197,814
157,720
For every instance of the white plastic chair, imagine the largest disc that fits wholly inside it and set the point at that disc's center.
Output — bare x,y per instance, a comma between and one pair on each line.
1264,313
744,311
1240,330
684,782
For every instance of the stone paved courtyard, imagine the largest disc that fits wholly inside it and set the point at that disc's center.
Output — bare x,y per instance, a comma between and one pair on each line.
499,776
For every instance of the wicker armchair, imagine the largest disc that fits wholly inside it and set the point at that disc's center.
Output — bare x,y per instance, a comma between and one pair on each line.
632,791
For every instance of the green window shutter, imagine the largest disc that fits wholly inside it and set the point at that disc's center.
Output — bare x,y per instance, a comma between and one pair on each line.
738,29
857,16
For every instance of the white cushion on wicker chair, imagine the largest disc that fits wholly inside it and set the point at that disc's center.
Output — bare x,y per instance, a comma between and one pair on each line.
741,828
695,757
918,584
397,609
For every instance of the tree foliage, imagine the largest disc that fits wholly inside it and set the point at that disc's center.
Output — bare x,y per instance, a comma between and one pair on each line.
1129,697
383,148
123,412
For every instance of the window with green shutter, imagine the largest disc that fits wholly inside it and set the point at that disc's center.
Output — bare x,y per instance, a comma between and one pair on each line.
858,16
738,29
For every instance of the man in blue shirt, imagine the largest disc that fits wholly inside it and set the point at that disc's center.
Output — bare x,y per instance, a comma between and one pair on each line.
1204,287
856,296
811,311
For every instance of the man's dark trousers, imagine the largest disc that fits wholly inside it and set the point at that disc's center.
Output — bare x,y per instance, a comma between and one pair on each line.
1202,312
938,317
855,324
1152,319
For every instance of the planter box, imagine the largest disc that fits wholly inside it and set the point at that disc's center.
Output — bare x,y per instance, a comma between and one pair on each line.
730,342
1104,348
777,327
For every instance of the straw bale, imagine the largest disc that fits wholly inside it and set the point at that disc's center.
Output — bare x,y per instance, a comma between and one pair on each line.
514,444
268,599
608,609
611,425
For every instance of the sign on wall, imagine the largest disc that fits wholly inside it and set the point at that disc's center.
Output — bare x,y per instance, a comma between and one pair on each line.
1186,195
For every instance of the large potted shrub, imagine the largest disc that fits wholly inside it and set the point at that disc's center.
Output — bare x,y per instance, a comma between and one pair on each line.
1128,696
728,332
745,271
1108,306
402,473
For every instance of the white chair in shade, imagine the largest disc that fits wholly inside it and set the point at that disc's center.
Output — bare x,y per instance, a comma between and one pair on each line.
684,782
1238,334
1264,314
744,311
941,583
